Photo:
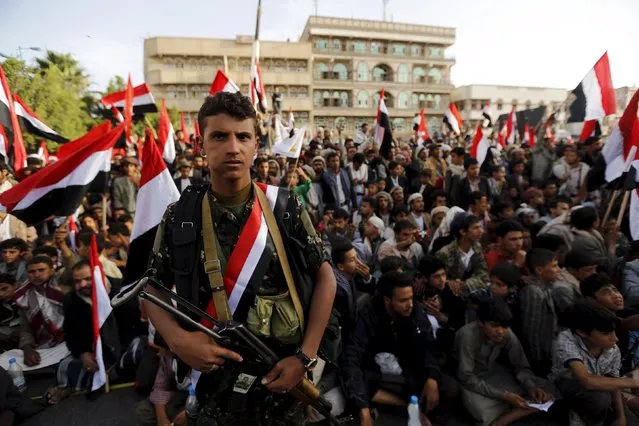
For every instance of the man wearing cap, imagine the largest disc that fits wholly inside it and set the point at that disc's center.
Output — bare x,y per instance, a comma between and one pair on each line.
368,247
125,188
417,216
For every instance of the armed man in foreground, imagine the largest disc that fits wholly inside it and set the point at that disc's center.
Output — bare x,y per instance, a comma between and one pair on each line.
248,252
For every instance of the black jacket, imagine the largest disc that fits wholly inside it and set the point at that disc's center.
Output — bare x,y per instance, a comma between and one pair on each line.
410,340
402,180
461,194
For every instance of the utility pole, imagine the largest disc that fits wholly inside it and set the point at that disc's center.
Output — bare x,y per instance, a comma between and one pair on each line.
316,7
385,2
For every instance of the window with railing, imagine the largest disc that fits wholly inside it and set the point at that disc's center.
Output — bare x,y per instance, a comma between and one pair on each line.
317,99
321,44
359,46
436,52
403,73
399,49
416,50
245,64
398,124
297,66
362,71
382,73
279,66
320,70
298,91
434,76
402,100
337,44
377,47
362,99
419,75
340,71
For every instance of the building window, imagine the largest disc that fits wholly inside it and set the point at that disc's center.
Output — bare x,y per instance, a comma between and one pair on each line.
429,101
362,99
359,46
245,64
342,72
320,70
169,65
500,104
419,75
321,44
399,49
402,100
434,76
179,65
297,66
377,47
376,99
415,100
403,74
317,99
398,124
382,72
436,52
337,44
343,99
438,101
171,95
340,121
362,71
298,91
326,98
416,50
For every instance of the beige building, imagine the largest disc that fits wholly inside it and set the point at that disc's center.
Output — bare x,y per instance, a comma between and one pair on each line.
331,76
470,100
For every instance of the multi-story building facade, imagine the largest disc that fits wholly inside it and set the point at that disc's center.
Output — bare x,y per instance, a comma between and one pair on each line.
331,77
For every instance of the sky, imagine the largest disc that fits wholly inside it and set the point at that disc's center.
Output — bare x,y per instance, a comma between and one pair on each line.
545,43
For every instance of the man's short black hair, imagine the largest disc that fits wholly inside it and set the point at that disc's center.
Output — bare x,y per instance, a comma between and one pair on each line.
359,158
125,218
439,193
507,273
82,263
85,235
341,214
477,196
463,224
331,155
259,161
46,251
339,248
583,218
495,310
391,263
459,151
549,242
403,224
577,259
14,243
40,259
539,258
392,280
119,228
552,204
371,202
7,279
507,226
594,283
588,315
548,182
235,105
470,161
399,208
392,165
44,240
429,265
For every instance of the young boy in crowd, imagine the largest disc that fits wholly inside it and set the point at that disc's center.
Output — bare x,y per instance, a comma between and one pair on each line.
586,365
505,279
492,392
9,315
13,251
538,317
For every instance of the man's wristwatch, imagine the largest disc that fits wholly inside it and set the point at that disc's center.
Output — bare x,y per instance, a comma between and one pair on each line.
308,363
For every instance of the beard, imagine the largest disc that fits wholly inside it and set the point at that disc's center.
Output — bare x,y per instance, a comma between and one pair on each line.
86,292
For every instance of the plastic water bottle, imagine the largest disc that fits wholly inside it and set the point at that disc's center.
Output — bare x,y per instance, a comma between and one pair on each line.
191,406
413,412
15,371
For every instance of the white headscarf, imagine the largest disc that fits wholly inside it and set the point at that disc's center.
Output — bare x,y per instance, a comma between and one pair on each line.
444,227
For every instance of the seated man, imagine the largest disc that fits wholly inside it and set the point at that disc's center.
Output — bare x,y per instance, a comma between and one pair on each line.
76,371
505,280
13,252
368,247
466,267
41,314
396,328
495,394
510,240
404,244
9,316
586,364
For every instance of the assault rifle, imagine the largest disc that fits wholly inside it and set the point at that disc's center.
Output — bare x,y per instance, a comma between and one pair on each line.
229,334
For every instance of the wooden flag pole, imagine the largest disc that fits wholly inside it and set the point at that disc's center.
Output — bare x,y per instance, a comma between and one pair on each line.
626,168
622,211
611,203
148,123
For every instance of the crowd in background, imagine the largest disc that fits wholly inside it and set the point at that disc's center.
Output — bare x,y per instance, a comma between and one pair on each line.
497,285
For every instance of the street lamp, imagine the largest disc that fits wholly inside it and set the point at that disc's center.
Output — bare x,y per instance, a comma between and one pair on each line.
33,48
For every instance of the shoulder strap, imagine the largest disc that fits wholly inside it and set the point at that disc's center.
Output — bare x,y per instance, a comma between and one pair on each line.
276,236
212,266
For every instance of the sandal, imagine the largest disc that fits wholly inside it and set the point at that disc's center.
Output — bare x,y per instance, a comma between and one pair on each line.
54,395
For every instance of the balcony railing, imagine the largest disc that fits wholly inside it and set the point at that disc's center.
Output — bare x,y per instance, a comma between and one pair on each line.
382,51
336,76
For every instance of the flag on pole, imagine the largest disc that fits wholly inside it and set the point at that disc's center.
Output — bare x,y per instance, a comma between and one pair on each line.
595,95
156,192
422,130
511,127
291,146
73,230
58,190
383,132
453,119
128,109
591,129
43,152
291,119
101,309
69,148
480,147
256,87
502,136
4,144
32,124
143,101
183,127
221,83
632,184
166,135
196,128
8,119
525,139
620,141
485,113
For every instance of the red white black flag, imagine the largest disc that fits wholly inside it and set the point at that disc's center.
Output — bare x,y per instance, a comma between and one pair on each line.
143,101
591,129
511,127
100,309
383,132
221,83
595,95
453,119
58,189
32,124
8,119
166,135
618,146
